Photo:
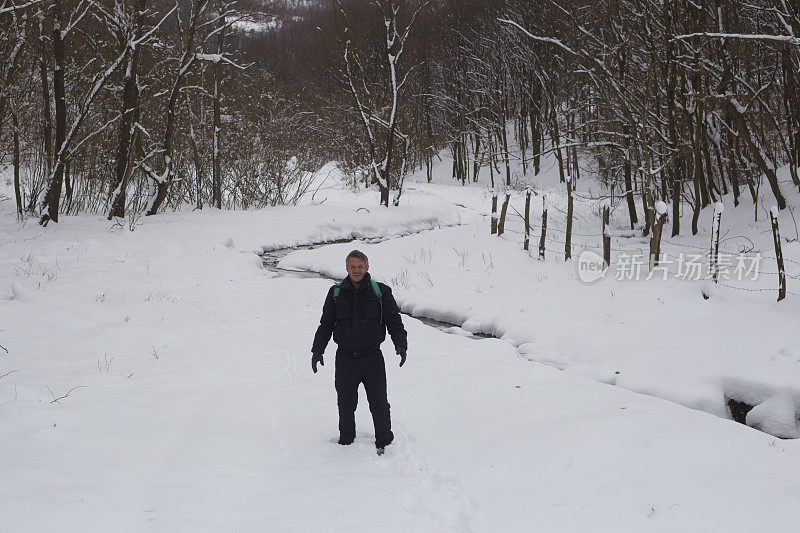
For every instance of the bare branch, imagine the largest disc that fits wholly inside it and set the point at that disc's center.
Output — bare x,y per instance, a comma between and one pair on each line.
66,395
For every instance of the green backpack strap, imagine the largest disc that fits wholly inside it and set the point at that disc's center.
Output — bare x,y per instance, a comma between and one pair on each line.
376,289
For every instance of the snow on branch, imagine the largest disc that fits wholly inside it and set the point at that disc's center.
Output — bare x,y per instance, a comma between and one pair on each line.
216,58
73,22
147,35
9,8
539,38
746,36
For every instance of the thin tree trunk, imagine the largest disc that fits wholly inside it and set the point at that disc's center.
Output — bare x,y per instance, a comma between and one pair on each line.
159,183
557,145
215,157
629,182
757,153
17,193
53,195
198,169
48,121
129,114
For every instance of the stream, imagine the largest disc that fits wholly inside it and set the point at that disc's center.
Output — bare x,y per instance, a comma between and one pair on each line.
271,259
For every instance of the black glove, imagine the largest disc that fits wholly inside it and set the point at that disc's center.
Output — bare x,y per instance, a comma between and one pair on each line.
316,358
402,353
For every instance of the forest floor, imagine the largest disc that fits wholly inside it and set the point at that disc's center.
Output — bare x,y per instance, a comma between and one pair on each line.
159,379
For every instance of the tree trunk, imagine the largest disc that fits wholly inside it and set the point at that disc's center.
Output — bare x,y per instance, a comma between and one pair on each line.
17,193
129,114
48,121
198,169
505,154
535,122
556,137
629,182
216,178
159,184
53,195
757,153
792,99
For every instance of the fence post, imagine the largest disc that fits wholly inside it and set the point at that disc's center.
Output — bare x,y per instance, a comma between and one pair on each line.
655,240
494,211
606,236
526,246
502,225
776,235
544,227
714,257
568,240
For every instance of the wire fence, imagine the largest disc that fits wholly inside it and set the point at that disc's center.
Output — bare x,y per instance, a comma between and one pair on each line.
641,250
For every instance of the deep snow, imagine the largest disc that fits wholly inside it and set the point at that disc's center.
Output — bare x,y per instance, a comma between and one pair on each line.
655,336
192,407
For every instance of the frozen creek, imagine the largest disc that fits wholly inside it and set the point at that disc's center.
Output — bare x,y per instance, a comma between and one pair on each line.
737,410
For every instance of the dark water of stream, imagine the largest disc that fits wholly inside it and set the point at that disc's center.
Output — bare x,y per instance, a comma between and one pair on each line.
271,259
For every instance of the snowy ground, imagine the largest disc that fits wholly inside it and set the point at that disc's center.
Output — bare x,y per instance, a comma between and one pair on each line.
159,380
655,336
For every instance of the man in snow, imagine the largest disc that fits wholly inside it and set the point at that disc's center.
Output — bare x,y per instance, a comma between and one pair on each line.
358,311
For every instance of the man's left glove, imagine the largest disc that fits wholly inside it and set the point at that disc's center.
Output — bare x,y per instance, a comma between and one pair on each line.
402,353
316,358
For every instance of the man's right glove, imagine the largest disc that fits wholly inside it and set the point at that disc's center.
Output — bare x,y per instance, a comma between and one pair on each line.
316,358
402,353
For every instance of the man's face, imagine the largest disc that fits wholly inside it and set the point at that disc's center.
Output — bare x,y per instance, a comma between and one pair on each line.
356,268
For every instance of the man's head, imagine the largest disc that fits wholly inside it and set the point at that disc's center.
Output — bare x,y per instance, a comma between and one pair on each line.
357,265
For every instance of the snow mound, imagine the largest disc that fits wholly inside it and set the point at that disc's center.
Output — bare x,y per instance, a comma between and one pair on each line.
20,293
776,416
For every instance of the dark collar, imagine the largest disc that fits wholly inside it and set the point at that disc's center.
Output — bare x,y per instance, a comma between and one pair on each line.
347,283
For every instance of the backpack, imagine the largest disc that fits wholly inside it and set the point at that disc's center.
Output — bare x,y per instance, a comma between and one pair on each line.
375,288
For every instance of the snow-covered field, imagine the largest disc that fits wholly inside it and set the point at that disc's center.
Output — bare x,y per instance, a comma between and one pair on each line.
656,336
159,380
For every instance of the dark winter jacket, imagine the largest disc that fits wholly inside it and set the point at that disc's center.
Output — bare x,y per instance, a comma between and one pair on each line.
354,318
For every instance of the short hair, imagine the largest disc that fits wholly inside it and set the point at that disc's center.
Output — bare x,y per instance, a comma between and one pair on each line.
356,254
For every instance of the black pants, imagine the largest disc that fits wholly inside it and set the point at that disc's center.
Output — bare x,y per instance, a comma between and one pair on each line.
369,370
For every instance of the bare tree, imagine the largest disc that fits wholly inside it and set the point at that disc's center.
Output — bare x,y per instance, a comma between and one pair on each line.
367,99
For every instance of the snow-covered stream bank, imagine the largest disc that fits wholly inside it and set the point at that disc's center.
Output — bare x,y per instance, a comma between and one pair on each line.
661,337
737,410
271,259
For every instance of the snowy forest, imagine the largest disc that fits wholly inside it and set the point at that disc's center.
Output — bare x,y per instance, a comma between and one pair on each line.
147,105
399,265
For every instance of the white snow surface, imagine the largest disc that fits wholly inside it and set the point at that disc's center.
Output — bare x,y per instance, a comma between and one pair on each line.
653,336
159,380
